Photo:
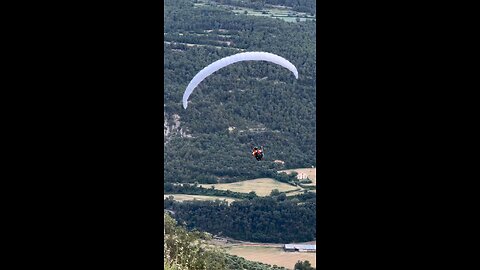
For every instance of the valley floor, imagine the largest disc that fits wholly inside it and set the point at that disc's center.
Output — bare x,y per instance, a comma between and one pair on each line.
272,255
268,253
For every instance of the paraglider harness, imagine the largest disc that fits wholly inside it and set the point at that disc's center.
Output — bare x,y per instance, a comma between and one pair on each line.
258,153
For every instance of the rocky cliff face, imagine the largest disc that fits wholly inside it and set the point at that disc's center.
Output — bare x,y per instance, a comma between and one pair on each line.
171,128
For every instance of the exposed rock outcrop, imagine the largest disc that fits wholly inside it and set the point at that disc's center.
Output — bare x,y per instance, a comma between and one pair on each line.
171,128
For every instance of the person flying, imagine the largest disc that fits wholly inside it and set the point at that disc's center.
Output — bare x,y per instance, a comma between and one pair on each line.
257,153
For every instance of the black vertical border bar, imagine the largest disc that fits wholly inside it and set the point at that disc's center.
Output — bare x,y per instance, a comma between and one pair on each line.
93,194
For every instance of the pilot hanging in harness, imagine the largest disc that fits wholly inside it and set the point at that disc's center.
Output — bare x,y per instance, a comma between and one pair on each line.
257,153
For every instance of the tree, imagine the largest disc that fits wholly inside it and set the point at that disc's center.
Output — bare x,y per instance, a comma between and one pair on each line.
303,266
274,192
184,249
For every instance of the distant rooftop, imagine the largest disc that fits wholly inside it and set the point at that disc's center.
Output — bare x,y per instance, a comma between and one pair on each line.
295,246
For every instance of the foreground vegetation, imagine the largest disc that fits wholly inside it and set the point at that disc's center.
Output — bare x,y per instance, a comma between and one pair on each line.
184,249
190,250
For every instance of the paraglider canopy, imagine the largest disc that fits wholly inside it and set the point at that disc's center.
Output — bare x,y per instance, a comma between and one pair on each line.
246,56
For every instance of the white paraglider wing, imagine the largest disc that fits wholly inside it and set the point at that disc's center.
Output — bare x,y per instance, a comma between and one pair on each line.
246,56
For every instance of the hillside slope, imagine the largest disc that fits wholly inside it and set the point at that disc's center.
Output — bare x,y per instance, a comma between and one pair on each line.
241,105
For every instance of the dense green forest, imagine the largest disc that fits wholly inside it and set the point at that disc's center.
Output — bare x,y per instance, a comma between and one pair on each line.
261,103
273,219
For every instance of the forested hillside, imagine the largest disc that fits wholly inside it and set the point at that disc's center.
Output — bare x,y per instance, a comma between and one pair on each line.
241,105
270,219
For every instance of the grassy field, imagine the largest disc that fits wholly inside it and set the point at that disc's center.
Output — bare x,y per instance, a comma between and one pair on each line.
295,193
261,186
186,197
272,255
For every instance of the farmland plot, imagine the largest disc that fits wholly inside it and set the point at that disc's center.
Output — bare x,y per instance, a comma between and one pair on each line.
186,197
310,173
272,255
261,186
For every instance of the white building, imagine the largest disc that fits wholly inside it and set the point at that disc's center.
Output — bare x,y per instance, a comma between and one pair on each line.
300,248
